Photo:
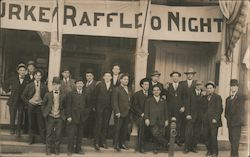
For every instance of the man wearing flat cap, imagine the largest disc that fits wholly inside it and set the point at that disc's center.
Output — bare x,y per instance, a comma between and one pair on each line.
76,116
67,84
176,101
16,85
235,115
154,80
53,104
32,96
213,111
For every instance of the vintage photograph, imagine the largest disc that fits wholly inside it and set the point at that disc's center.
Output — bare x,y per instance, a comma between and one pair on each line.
124,78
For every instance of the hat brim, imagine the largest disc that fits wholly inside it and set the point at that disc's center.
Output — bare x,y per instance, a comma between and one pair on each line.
175,73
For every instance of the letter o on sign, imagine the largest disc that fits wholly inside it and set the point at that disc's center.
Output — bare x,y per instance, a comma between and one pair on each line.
155,23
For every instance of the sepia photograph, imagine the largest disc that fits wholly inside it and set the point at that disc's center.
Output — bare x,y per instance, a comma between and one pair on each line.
124,78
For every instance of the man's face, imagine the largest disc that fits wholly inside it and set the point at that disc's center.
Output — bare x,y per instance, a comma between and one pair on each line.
56,87
124,81
145,86
198,87
175,78
21,71
190,76
79,85
66,74
89,77
155,78
107,77
210,89
38,76
156,91
234,88
31,68
116,70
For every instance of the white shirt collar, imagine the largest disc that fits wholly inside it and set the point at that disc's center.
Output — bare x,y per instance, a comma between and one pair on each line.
157,98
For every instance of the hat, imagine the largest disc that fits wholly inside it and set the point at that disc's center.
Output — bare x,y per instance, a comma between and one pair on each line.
144,80
210,83
21,65
190,71
79,79
30,63
56,80
234,82
65,69
175,72
199,83
156,72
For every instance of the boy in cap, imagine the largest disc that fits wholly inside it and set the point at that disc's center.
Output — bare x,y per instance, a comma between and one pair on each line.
213,105
235,115
53,111
16,85
76,116
32,96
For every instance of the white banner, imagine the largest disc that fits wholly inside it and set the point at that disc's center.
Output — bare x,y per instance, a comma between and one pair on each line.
115,19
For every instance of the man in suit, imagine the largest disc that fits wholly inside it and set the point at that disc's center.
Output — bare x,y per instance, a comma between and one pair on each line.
30,77
213,113
235,115
53,111
121,101
76,116
116,69
155,76
193,118
176,100
157,117
138,106
103,108
90,121
32,96
189,84
16,85
67,84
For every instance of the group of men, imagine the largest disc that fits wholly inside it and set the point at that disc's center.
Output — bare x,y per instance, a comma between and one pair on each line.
196,110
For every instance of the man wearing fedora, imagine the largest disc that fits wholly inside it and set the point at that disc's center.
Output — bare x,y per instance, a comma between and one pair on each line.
53,104
67,84
235,115
154,80
176,100
16,85
32,96
76,116
189,83
193,114
213,111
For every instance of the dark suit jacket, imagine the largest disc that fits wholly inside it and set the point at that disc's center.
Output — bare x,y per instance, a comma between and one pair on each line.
76,106
117,82
194,106
138,102
190,89
121,101
214,109
176,98
102,96
235,110
13,85
48,101
157,113
90,95
66,88
30,90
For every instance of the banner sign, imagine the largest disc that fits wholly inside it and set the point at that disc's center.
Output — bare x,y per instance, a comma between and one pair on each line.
115,19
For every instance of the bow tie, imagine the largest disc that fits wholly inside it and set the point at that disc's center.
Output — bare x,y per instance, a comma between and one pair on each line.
56,92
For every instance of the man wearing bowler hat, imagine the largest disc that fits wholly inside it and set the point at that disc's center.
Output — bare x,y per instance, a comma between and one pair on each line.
154,80
176,100
16,85
235,115
76,116
213,111
54,112
67,84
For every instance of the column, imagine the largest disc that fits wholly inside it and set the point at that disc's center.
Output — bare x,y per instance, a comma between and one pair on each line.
56,44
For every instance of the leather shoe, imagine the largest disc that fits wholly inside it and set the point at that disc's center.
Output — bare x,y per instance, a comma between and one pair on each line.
194,150
69,153
117,149
48,152
155,151
97,147
124,147
208,154
186,151
31,141
80,151
105,146
57,152
142,151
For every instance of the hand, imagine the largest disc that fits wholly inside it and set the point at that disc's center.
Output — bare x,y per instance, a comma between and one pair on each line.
189,117
214,121
69,119
118,115
182,109
147,122
166,123
142,115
